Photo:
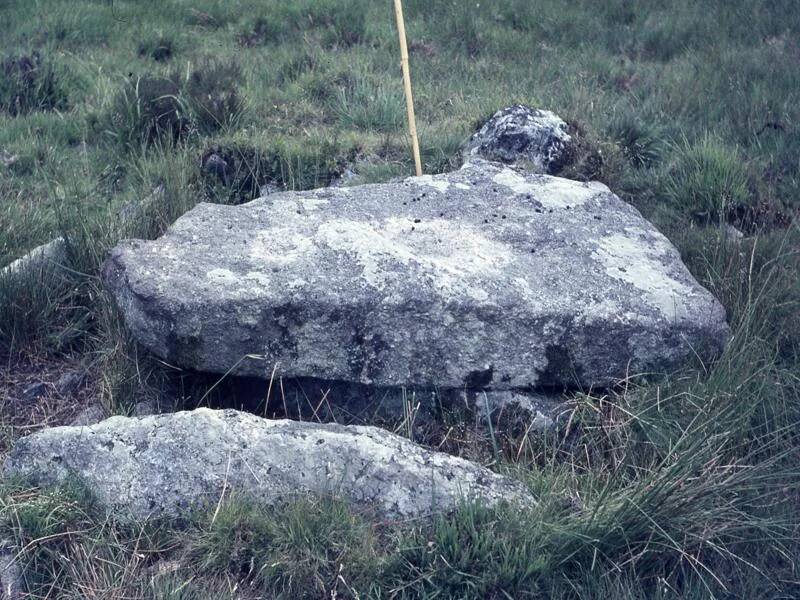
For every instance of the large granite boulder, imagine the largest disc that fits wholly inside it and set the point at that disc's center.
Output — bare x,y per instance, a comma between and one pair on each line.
478,278
167,464
539,139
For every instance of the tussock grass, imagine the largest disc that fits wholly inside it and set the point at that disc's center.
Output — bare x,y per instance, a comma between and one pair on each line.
707,179
160,48
641,143
146,110
213,95
234,171
29,83
367,107
169,109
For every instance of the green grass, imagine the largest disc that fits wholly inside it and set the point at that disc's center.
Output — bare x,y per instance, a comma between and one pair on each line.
684,487
707,179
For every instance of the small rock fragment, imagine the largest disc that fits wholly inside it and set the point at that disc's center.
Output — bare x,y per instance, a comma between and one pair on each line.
10,573
732,234
214,164
543,411
89,416
145,408
34,391
348,177
268,188
50,255
69,382
7,159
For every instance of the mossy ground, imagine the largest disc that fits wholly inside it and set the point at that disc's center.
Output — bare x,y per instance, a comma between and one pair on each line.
682,487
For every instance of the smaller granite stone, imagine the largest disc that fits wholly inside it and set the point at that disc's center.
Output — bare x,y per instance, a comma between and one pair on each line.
519,134
168,464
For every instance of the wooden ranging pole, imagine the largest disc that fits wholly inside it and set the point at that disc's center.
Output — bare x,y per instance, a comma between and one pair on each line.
412,121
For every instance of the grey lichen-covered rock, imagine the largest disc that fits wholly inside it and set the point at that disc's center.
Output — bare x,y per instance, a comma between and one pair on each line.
69,381
34,391
478,278
520,134
166,464
46,256
89,416
542,411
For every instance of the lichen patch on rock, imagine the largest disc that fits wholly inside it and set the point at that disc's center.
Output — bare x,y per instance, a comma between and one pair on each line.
642,266
550,192
454,256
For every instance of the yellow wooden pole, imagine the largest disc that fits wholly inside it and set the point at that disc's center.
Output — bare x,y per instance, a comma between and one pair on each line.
412,121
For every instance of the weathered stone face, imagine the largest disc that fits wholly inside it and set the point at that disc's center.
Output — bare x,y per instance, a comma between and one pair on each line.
167,464
519,133
478,278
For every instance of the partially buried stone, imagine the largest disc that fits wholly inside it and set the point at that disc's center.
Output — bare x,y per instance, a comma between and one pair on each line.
69,382
41,259
542,411
169,464
90,415
34,391
10,572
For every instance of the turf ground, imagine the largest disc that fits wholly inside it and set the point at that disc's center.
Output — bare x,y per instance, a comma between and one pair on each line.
683,487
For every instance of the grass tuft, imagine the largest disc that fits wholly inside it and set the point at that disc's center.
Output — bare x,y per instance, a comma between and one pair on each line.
706,179
30,83
159,48
213,96
236,173
641,143
148,110
367,107
168,109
